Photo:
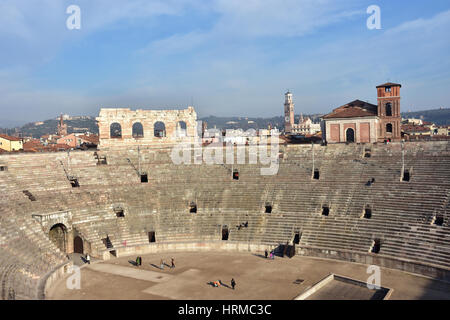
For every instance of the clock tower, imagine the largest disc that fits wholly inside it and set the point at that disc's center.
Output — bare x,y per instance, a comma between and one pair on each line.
288,112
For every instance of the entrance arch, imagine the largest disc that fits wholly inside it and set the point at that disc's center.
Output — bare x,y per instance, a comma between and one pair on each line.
350,135
58,235
78,245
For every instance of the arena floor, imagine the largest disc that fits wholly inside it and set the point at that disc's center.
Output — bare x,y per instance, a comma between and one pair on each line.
256,278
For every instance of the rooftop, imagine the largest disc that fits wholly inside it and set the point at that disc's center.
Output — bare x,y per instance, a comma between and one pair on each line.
354,109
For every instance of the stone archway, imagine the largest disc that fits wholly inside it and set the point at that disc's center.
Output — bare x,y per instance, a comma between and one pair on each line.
350,135
78,245
58,235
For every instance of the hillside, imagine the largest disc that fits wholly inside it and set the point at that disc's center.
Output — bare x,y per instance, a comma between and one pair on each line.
438,116
83,124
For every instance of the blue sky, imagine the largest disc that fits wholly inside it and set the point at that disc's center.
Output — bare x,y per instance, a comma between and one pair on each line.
228,57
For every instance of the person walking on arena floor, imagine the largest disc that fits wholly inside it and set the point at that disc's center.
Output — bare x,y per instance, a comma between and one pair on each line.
233,283
162,264
266,253
88,258
173,263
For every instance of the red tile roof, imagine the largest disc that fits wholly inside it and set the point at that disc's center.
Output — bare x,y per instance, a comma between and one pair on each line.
354,109
413,128
4,136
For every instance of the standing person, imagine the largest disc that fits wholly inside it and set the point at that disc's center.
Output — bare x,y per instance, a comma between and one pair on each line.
140,260
233,283
266,253
88,258
162,264
173,263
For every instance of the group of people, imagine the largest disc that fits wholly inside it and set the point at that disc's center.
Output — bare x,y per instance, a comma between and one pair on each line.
139,262
219,283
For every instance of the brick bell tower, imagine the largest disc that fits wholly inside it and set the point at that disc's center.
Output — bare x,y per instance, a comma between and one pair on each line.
389,112
288,112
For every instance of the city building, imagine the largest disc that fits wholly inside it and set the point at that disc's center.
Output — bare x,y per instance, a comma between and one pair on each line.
363,122
9,143
304,127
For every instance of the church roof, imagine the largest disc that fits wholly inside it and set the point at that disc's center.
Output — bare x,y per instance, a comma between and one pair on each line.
354,109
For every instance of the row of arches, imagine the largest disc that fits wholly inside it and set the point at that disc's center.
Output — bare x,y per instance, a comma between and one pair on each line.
159,130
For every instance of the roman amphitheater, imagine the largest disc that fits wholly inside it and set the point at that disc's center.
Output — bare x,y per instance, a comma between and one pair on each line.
329,212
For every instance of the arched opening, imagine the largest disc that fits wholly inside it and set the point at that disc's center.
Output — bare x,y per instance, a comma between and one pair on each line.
367,212
388,109
225,233
350,135
115,131
78,245
181,129
268,208
193,207
376,246
316,175
389,128
159,129
138,130
58,235
325,210
235,175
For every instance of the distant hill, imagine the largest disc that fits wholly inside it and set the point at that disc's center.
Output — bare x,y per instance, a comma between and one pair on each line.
40,128
83,124
438,116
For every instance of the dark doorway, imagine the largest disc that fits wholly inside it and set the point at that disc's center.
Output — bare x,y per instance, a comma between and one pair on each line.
376,246
193,207
78,245
268,208
316,174
144,178
225,233
151,236
74,182
58,235
297,238
439,220
235,175
350,135
367,213
406,175
325,211
119,213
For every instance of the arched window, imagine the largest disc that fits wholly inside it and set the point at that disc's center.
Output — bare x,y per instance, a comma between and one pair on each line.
388,109
160,129
138,130
181,129
389,128
350,135
115,130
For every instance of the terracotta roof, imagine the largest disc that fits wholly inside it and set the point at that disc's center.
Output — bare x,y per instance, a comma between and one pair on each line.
92,138
389,84
4,136
413,128
354,109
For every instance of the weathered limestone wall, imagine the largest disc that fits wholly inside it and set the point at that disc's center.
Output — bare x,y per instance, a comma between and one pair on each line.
127,118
